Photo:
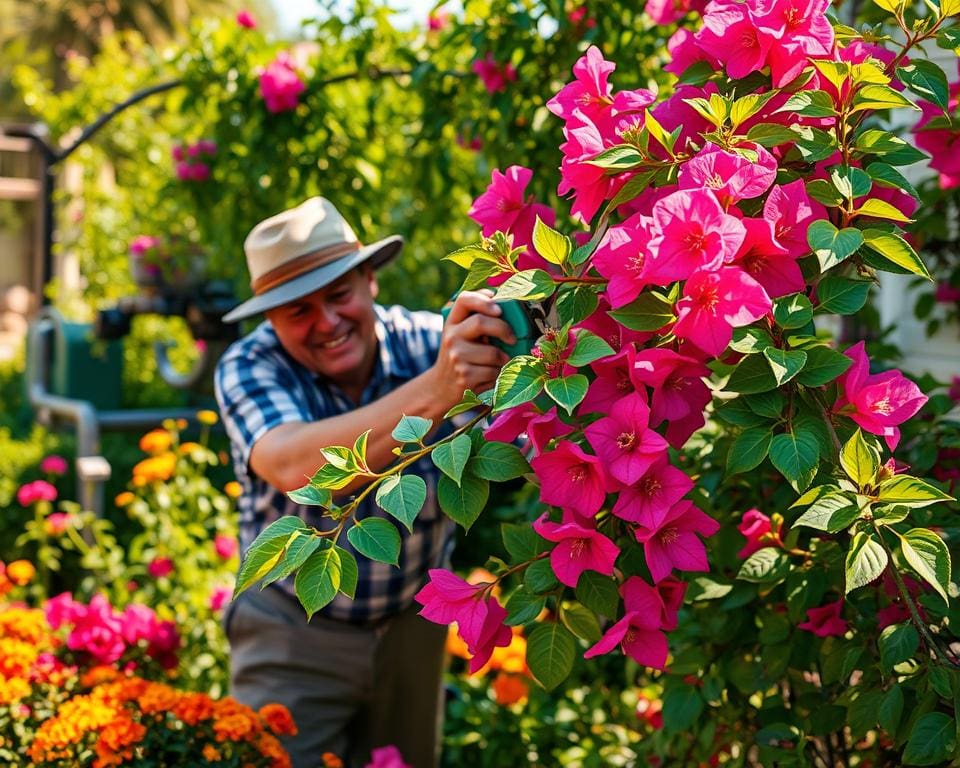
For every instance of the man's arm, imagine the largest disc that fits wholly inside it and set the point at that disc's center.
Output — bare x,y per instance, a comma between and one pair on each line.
288,455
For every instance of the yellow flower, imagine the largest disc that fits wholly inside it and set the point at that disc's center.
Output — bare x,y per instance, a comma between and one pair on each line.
123,499
233,489
207,417
159,467
186,448
21,572
156,441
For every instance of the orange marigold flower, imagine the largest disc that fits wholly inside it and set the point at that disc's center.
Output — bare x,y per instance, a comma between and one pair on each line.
27,624
12,690
330,760
513,657
211,754
268,746
157,698
124,498
192,708
233,489
208,417
455,644
509,689
158,467
122,732
21,572
278,719
98,675
16,657
156,441
236,727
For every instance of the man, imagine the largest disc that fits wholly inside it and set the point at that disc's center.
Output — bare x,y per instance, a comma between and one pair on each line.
327,365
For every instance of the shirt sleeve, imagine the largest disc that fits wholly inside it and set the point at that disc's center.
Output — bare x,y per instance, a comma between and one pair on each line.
256,394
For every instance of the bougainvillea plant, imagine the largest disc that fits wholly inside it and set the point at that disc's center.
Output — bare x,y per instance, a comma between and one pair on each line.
762,195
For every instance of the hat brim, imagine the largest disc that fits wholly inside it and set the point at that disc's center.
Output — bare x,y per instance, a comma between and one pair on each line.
379,254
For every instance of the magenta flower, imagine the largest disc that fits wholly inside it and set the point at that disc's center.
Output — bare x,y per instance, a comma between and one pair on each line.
731,177
502,207
731,36
219,597
143,243
677,383
880,402
97,630
755,527
684,52
622,257
615,380
160,567
624,441
895,613
589,92
510,423
802,30
225,546
675,543
31,493
668,11
570,478
386,757
942,144
53,465
638,633
544,427
714,303
494,76
589,184
438,20
62,609
280,85
791,212
650,499
578,549
768,262
691,232
58,522
245,19
825,621
138,622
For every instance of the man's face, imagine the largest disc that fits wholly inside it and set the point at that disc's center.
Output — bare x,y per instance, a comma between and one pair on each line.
332,331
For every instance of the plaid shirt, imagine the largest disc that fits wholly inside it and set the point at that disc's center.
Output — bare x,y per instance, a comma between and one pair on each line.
259,387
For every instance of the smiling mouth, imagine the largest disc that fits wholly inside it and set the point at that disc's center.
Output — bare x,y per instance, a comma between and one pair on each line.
333,343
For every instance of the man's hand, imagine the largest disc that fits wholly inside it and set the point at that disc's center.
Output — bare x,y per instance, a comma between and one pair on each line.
467,359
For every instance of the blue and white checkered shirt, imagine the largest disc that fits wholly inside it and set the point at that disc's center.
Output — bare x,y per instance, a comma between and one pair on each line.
259,387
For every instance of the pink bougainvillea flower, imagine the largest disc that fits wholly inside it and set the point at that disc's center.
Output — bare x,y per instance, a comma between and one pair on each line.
677,383
622,257
493,75
755,527
544,427
802,30
280,85
138,622
691,232
225,546
671,592
731,36
791,212
245,19
942,144
38,490
668,11
895,613
730,176
589,91
502,207
650,499
570,478
638,633
143,243
53,465
97,630
825,621
768,262
880,402
684,52
160,567
61,610
614,381
608,329
714,303
438,20
589,184
624,441
219,597
386,757
578,549
675,542
511,423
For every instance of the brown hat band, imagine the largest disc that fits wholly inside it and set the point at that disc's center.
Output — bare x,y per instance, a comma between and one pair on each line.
300,266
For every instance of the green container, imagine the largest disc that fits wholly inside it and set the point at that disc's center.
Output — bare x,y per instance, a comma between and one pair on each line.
84,368
519,321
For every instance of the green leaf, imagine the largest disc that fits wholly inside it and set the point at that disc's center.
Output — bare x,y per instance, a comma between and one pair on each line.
747,106
796,455
332,477
599,593
341,457
749,341
887,176
411,429
865,561
451,457
831,245
402,496
463,503
824,192
850,182
894,251
771,134
739,413
785,364
884,143
550,244
793,311
520,381
860,460
932,740
769,404
637,183
648,312
928,555
267,550
539,577
529,285
751,375
622,157
377,539
897,643
842,295
832,512
499,462
311,496
681,709
523,607
810,104
705,588
823,366
466,256
748,450
349,573
318,580
589,348
295,553
550,650
891,709
575,303
927,80
581,621
568,391
522,542
910,492
468,403
880,209
876,96
765,566
948,39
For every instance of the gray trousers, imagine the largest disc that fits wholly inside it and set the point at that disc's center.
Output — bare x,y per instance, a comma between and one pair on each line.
350,688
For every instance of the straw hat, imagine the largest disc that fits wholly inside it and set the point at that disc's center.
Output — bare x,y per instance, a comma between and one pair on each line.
302,250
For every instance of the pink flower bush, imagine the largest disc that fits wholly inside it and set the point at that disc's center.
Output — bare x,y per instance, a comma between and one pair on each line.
39,490
624,441
219,598
245,19
826,621
280,85
494,76
942,144
639,634
438,20
54,465
755,527
674,541
160,567
571,478
578,549
225,546
386,757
